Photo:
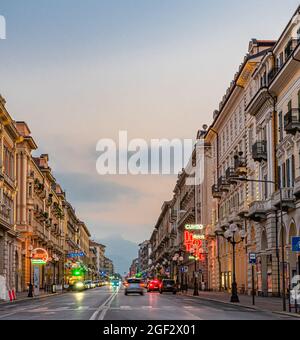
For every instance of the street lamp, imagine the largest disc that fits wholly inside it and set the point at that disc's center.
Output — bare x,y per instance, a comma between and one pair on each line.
196,286
30,290
55,260
231,236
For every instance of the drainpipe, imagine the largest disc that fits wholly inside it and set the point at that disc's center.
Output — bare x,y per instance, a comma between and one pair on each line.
276,174
218,237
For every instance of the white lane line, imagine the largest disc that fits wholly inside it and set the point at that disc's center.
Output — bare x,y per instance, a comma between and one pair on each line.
107,307
111,297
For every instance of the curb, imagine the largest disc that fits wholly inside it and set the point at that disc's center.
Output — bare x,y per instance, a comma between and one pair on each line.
254,308
36,298
294,315
229,303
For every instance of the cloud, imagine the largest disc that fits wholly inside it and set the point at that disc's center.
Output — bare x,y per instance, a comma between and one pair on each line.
83,188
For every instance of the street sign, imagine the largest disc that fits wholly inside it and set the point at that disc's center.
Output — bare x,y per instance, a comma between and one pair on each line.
296,244
184,269
252,258
74,255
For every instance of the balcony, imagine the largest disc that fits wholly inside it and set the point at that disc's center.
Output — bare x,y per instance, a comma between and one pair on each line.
297,187
234,216
230,175
291,46
259,151
288,69
292,121
288,199
240,166
243,210
258,210
223,185
216,193
272,74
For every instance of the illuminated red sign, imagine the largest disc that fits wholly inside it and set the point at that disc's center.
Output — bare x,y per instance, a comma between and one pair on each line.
193,245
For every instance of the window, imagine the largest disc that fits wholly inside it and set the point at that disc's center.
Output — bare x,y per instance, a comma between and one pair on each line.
8,163
290,172
30,191
280,60
30,217
282,175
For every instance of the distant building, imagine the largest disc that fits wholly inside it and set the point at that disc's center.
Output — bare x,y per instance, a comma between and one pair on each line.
134,268
144,256
108,266
97,257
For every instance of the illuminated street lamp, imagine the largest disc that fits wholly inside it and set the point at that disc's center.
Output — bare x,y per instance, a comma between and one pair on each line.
231,236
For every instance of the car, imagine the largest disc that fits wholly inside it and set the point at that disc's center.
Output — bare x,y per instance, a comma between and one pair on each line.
153,286
134,286
97,283
168,286
88,284
93,284
78,286
115,283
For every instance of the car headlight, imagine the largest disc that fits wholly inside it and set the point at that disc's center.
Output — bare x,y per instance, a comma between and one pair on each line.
79,285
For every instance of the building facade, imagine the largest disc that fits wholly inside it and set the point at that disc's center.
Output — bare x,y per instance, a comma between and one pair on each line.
10,251
36,219
251,158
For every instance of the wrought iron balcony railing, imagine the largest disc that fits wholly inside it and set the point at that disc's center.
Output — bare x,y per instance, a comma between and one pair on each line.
259,151
292,121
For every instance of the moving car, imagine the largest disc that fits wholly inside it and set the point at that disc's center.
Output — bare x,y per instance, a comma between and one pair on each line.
168,286
153,286
115,283
134,286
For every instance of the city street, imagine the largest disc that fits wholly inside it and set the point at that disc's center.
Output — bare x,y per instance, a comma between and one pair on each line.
111,304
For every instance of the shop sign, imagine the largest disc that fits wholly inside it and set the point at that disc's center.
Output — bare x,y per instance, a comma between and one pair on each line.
194,227
39,256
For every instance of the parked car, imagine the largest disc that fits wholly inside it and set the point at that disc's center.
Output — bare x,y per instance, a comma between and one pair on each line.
88,284
134,286
153,286
168,286
78,286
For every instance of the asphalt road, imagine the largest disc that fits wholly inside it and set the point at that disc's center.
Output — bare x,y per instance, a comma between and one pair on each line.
109,304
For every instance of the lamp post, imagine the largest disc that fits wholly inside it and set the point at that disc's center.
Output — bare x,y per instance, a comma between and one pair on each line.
196,285
55,261
30,290
245,179
230,235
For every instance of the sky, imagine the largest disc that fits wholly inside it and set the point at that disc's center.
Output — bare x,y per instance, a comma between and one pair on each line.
78,71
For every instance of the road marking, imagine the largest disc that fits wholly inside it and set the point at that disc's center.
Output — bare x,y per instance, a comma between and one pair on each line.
104,305
107,307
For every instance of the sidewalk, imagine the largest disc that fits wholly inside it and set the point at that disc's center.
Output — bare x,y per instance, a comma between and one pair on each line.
270,304
24,297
